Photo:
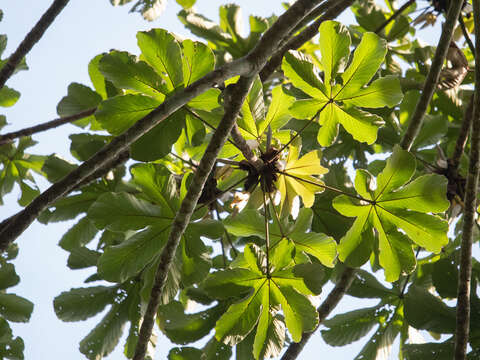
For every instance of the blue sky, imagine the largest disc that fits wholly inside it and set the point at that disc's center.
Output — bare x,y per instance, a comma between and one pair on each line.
84,29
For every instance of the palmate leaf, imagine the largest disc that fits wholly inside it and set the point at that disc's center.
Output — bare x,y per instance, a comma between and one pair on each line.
144,83
337,101
16,166
262,294
153,216
251,223
395,204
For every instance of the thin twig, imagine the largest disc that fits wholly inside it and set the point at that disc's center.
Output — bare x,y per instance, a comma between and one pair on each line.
186,161
267,232
431,81
30,40
324,310
462,138
249,65
465,272
8,137
465,34
336,8
394,15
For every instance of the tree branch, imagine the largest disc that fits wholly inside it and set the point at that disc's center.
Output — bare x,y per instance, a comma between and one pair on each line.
324,310
465,34
462,138
395,15
465,273
433,75
6,138
335,9
30,40
249,65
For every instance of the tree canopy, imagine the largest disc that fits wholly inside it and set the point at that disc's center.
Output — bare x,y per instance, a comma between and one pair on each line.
242,172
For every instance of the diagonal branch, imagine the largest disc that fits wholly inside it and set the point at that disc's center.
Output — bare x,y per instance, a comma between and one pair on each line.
336,8
249,65
465,272
395,15
433,75
6,138
324,310
30,40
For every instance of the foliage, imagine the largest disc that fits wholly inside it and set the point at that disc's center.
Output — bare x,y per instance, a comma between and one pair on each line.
261,243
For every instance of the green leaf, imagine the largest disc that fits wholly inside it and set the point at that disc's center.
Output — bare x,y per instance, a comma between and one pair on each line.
335,48
105,336
367,58
84,146
122,211
8,276
393,206
83,303
186,4
158,142
346,328
78,235
335,100
185,353
302,73
365,285
82,257
79,98
125,72
121,262
427,312
278,114
119,113
183,328
437,351
8,96
56,168
15,308
158,184
300,314
198,60
162,51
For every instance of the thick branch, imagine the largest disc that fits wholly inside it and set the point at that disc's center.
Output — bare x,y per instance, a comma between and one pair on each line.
395,15
433,75
6,138
249,65
335,9
30,40
324,310
465,273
